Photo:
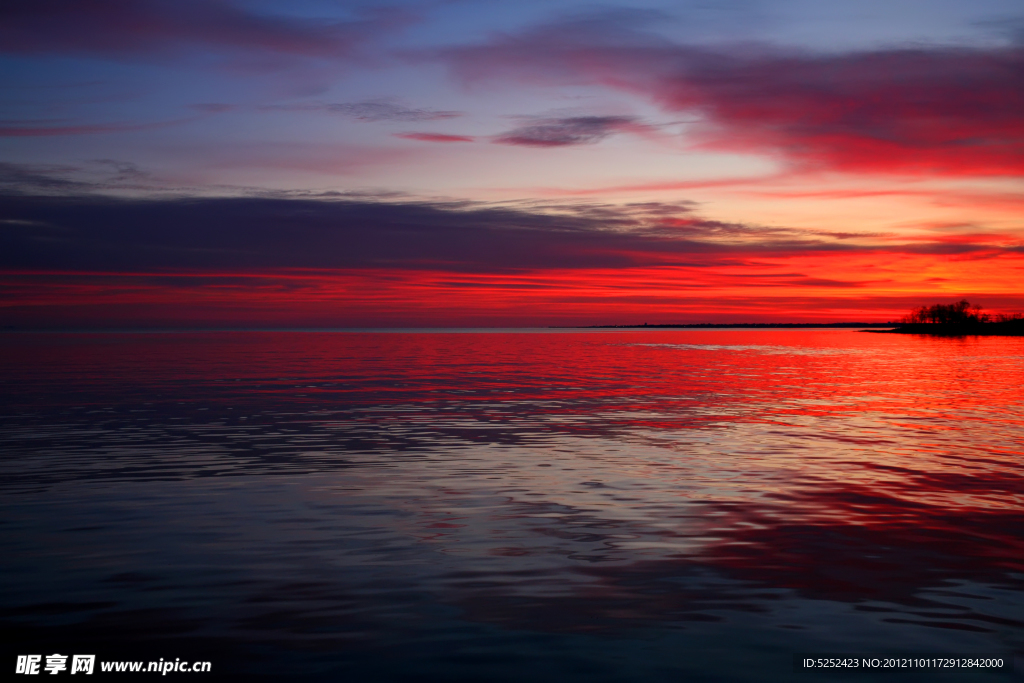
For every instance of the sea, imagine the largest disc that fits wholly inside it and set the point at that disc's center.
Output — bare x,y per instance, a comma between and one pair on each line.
514,505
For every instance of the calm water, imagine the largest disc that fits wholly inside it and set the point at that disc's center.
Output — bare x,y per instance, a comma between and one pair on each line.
508,506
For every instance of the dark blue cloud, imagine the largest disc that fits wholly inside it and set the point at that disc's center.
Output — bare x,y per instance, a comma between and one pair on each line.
95,233
563,132
133,28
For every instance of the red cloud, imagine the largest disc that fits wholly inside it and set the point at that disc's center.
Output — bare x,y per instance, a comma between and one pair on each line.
935,111
908,111
434,137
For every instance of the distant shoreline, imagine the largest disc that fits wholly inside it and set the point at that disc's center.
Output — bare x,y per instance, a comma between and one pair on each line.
646,326
1007,328
1010,328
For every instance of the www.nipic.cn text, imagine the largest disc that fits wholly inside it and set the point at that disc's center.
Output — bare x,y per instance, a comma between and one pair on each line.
33,665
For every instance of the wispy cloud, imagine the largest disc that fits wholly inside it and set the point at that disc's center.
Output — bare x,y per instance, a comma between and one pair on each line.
213,107
435,137
373,110
39,178
34,130
564,132
95,175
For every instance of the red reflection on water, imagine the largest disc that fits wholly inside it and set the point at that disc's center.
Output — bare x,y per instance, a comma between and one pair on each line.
840,465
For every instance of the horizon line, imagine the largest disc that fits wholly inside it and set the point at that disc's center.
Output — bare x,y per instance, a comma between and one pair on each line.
640,326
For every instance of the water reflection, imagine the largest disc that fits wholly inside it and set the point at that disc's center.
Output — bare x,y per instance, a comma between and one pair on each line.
467,500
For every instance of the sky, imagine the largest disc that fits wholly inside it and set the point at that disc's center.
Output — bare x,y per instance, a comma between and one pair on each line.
446,163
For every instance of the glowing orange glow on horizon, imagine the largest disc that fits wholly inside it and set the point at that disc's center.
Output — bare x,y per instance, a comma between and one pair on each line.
816,287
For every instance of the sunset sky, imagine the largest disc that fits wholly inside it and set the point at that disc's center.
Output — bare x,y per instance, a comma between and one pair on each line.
208,163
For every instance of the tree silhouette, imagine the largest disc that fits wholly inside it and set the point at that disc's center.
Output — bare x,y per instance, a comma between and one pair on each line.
960,313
